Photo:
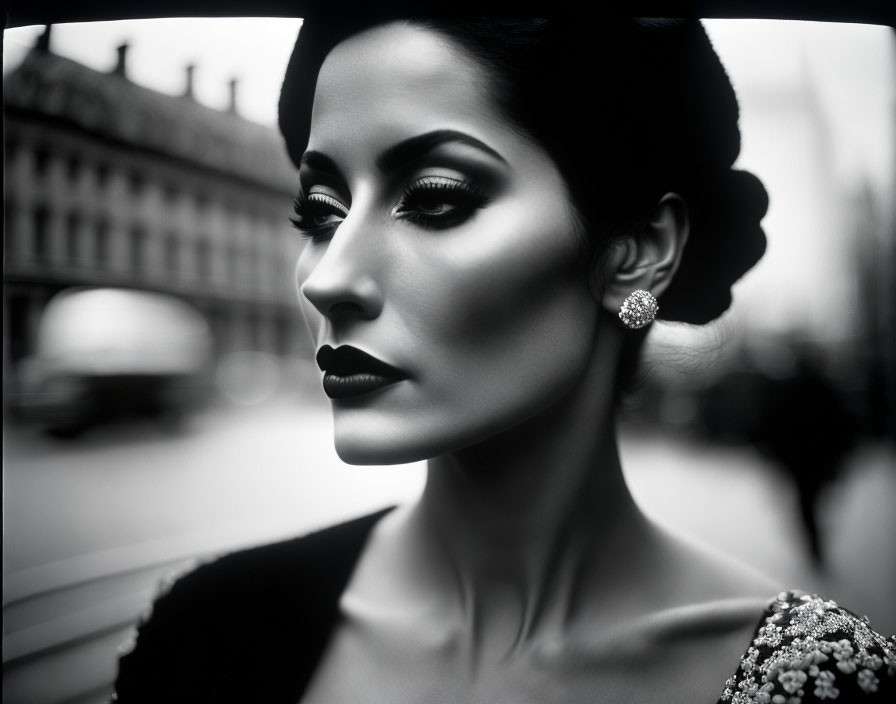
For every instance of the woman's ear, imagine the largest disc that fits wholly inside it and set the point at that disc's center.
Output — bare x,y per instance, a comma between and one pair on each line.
649,258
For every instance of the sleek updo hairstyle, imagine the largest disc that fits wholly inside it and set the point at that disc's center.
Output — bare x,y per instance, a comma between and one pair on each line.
629,109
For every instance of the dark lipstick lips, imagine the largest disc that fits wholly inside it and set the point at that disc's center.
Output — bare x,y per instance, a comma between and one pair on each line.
350,372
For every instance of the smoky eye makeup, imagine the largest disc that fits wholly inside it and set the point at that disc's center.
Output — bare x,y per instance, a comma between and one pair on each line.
439,200
318,212
424,184
436,200
446,185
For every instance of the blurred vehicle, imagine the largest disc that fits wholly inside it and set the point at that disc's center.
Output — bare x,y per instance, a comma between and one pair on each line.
105,354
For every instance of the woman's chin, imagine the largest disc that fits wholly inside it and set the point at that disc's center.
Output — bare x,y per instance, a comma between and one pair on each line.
375,435
404,443
376,451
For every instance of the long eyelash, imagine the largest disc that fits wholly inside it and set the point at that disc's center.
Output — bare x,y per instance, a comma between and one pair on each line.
299,207
444,186
470,197
302,206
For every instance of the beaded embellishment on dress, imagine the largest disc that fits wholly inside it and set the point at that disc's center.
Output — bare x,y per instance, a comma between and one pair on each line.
808,649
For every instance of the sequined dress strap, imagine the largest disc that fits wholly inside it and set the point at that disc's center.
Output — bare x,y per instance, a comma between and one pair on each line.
808,649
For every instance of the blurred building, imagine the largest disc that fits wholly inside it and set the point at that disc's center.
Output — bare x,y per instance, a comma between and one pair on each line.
807,277
112,184
826,280
825,284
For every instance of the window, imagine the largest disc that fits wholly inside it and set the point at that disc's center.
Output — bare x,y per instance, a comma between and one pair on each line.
138,249
102,243
203,259
136,181
73,167
12,150
72,237
250,264
233,259
41,160
172,252
40,241
102,174
11,237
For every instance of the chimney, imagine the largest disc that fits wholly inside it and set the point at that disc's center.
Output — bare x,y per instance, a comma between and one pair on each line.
188,91
121,67
232,107
43,41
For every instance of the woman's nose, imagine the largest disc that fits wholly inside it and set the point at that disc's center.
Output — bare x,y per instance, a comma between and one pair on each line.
343,283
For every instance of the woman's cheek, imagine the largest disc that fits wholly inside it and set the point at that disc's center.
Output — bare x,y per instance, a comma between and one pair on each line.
489,282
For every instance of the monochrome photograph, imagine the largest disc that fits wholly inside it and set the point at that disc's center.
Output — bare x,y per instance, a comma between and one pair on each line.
371,354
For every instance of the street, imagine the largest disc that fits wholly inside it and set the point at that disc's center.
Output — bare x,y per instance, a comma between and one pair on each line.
127,500
234,476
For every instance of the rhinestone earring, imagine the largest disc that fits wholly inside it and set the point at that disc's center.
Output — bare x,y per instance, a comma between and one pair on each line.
638,309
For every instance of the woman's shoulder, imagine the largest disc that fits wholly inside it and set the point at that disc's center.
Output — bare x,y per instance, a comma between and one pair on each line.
256,618
809,649
316,559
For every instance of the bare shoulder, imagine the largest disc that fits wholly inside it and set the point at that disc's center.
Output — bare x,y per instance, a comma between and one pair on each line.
801,648
703,572
689,621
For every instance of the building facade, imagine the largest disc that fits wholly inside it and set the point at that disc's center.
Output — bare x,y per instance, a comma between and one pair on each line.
112,184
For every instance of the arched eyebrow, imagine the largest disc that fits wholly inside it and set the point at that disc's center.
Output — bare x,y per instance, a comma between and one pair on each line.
398,155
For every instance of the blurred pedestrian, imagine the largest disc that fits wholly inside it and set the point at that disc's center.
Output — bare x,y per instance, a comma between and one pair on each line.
806,428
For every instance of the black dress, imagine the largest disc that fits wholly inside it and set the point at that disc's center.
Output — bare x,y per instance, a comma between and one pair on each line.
252,627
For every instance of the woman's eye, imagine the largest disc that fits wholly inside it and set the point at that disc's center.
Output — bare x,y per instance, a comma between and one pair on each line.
434,206
439,201
318,215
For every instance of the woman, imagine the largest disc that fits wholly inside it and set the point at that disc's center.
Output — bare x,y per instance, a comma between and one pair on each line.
492,208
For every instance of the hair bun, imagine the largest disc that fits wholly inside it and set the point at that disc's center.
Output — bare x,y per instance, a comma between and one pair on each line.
726,240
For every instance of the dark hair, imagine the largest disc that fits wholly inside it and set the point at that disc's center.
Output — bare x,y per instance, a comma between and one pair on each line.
629,109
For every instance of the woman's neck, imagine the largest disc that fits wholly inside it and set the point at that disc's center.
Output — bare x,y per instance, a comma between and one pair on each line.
505,507
523,520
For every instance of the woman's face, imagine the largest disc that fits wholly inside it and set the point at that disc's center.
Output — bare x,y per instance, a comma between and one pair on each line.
442,245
